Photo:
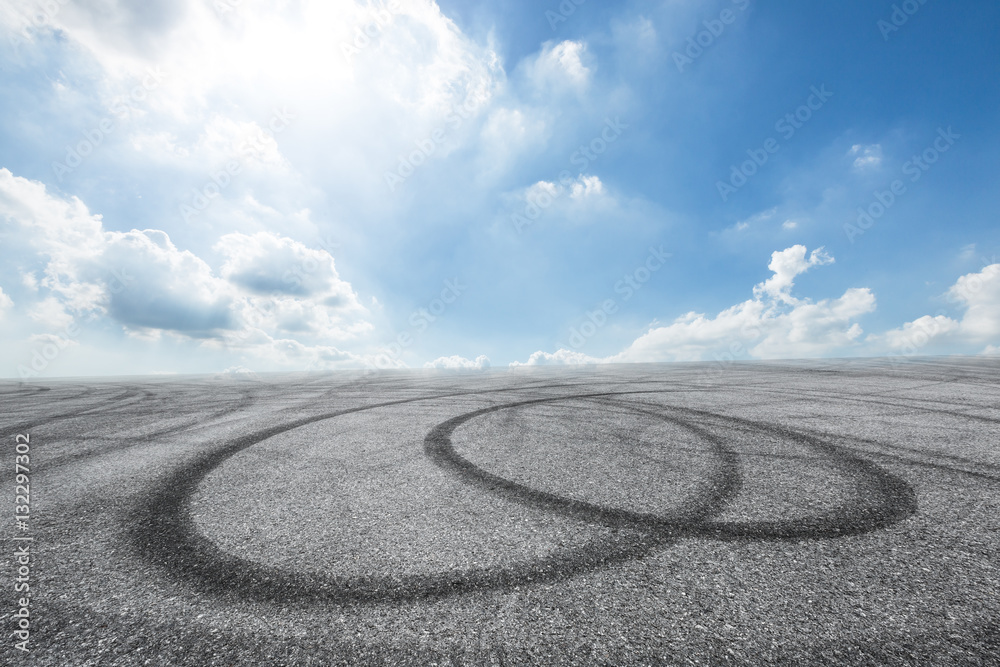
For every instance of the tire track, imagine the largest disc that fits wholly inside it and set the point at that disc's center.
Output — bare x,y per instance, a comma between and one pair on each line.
164,532
112,401
247,400
895,499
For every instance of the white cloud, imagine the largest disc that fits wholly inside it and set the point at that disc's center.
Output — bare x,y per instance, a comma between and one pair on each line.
51,313
290,289
5,302
63,231
224,72
138,277
560,66
271,293
507,135
52,339
561,357
267,263
786,265
541,191
978,295
755,219
585,186
262,45
150,283
789,224
546,196
760,328
866,157
221,141
774,324
239,374
456,362
921,332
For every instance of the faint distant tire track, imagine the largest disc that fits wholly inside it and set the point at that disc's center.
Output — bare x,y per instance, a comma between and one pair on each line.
111,447
115,401
900,402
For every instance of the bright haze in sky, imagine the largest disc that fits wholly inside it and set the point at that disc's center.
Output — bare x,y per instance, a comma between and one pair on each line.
191,186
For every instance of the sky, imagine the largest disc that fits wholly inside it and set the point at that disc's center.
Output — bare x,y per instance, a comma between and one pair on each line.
236,186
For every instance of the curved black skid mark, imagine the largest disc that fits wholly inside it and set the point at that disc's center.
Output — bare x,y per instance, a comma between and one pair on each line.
920,405
108,403
165,533
894,498
726,484
117,446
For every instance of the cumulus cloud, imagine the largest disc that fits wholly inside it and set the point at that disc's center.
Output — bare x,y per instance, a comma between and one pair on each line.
542,192
148,283
777,324
271,294
560,66
232,44
138,277
578,199
786,265
223,72
978,295
773,324
456,362
560,357
223,141
392,72
290,289
586,186
267,263
5,302
922,331
507,135
239,374
62,231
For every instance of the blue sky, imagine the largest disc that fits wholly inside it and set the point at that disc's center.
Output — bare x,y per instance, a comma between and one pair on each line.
201,185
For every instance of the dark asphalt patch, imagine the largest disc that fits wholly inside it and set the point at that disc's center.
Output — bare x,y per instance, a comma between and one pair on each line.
898,567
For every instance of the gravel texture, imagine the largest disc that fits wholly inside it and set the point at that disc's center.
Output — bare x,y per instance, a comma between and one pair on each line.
827,512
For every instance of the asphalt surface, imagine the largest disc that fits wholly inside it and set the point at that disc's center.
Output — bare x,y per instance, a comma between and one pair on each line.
826,512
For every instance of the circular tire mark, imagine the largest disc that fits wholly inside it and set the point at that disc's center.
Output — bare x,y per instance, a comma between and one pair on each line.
894,499
165,533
